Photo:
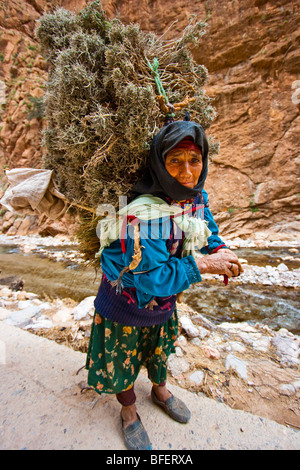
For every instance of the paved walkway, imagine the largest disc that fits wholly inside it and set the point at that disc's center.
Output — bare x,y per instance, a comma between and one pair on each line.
42,407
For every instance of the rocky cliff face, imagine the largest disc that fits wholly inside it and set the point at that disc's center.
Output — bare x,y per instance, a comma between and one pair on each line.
251,50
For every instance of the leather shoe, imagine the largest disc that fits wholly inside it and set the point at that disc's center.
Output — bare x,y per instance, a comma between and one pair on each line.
135,436
174,407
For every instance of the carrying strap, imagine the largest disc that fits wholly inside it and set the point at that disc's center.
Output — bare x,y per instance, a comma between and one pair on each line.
133,220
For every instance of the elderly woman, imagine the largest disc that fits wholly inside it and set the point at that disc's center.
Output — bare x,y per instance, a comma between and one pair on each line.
135,322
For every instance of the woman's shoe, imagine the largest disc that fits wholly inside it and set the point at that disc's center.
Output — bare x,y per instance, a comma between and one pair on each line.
135,436
174,407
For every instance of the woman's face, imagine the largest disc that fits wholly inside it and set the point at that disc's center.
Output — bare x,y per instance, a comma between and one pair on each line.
185,165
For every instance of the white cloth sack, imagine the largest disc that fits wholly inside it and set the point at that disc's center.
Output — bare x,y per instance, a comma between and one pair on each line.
32,191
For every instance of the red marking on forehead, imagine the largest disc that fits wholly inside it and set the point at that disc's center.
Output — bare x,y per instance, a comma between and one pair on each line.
187,143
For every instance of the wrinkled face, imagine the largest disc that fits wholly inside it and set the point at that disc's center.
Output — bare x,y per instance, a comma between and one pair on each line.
185,165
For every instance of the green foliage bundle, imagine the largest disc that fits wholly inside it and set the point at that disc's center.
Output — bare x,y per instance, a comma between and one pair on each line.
101,103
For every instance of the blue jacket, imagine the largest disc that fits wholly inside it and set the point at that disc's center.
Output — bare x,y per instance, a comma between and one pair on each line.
160,275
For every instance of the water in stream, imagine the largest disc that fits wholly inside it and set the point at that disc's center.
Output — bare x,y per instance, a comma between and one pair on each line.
46,277
272,306
275,306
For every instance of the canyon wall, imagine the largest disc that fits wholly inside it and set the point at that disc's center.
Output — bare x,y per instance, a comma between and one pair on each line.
251,51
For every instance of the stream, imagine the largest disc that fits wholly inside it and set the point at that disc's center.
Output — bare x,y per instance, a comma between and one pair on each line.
55,276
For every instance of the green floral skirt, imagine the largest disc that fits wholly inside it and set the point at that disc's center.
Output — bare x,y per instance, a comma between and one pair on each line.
117,352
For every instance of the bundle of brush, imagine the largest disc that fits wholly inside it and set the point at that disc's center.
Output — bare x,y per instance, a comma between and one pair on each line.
110,88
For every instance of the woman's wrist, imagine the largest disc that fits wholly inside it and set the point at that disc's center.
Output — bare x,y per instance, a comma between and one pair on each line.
201,265
190,266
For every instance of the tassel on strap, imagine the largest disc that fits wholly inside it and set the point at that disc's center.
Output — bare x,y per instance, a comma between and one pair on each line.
137,252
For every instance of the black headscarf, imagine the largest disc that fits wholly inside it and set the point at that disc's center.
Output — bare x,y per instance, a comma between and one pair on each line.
157,180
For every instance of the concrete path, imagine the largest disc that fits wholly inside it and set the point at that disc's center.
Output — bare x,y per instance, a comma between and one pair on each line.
42,407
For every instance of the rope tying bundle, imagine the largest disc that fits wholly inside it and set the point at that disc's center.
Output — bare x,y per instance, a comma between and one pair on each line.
165,106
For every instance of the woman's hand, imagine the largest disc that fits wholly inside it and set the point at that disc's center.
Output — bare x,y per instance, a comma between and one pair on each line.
223,262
